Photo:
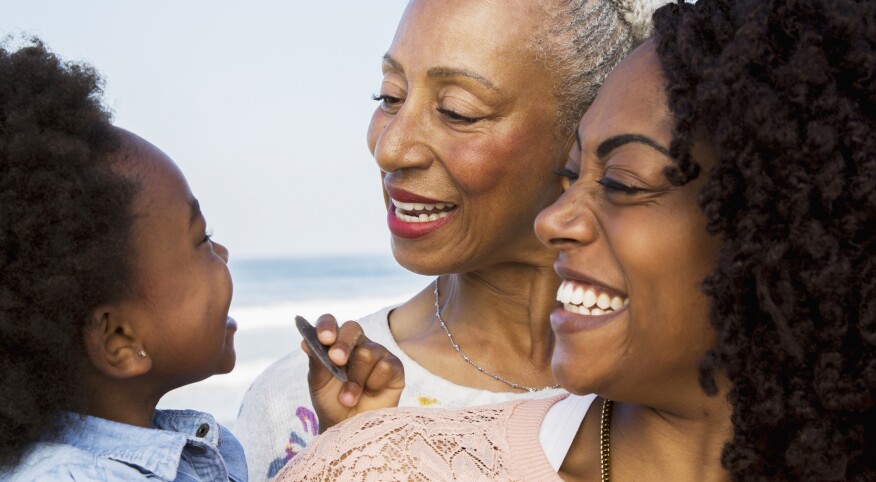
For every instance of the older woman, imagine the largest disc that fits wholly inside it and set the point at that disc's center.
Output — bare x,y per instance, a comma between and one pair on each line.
477,104
723,186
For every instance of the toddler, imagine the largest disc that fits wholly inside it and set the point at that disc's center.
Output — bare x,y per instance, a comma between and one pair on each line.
112,294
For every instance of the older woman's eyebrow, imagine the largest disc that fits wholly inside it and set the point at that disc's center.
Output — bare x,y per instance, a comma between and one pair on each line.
388,60
443,72
449,72
614,142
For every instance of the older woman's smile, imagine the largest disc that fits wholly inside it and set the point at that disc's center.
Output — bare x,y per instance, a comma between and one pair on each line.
413,216
421,212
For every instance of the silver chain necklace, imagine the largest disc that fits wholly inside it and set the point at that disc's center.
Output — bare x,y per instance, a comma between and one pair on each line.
471,362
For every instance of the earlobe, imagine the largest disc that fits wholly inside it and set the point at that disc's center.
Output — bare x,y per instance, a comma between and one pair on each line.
113,347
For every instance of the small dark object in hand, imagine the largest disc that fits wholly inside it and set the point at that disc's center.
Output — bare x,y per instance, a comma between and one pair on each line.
318,349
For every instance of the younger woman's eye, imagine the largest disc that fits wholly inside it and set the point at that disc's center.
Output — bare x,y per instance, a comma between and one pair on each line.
386,99
611,185
207,236
456,116
567,173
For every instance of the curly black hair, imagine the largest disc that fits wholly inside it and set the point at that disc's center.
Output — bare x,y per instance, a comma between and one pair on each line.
65,219
786,91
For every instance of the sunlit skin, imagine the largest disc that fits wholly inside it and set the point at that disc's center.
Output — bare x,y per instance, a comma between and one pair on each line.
177,312
650,244
467,117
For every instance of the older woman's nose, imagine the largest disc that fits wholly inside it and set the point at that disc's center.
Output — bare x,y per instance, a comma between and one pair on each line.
401,140
567,223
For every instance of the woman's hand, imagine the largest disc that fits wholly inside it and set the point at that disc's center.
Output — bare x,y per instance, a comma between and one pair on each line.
375,377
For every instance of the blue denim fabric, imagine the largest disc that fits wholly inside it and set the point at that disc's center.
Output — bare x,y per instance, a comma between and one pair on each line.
184,446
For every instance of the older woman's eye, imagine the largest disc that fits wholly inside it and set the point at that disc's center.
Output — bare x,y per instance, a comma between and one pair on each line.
457,117
612,186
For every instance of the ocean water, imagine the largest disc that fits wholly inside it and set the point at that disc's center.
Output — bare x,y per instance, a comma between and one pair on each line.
268,293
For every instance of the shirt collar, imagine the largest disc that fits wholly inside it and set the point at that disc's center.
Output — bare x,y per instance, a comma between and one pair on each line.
154,451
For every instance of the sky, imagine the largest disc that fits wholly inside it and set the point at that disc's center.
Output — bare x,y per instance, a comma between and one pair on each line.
263,104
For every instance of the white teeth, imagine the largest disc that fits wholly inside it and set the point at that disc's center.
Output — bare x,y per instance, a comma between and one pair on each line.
568,290
589,298
421,206
578,299
603,301
578,295
401,205
617,303
422,218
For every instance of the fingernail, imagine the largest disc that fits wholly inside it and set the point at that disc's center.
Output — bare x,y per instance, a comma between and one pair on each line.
348,399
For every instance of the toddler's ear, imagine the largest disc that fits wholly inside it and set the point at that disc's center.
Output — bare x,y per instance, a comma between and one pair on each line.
113,347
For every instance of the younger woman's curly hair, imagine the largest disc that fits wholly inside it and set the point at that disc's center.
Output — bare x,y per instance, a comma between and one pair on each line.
65,219
786,92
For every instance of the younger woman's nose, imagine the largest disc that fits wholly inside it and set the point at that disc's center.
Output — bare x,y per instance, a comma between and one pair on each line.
567,223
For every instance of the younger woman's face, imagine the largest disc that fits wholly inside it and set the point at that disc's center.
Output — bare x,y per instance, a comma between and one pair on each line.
633,249
182,288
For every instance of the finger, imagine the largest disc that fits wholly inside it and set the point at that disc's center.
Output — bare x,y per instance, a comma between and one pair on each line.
388,373
349,394
318,375
326,329
349,336
361,362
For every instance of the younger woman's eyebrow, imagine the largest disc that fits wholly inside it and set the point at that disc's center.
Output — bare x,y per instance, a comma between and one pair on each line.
614,142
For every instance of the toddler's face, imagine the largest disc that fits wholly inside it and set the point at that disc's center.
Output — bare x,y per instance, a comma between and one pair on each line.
182,283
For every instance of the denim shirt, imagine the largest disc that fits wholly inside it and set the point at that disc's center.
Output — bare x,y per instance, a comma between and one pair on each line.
184,446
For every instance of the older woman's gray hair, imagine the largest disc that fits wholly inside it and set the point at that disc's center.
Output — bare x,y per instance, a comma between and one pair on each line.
583,40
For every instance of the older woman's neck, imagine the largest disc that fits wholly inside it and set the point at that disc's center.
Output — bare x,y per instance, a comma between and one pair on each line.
511,301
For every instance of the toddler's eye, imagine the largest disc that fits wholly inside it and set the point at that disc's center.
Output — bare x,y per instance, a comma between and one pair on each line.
207,237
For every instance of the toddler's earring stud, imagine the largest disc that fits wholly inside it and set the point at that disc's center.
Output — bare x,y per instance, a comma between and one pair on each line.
141,354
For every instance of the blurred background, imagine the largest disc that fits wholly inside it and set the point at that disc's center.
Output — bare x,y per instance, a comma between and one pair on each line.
264,105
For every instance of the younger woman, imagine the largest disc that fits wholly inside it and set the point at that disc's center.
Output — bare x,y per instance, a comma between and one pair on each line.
112,292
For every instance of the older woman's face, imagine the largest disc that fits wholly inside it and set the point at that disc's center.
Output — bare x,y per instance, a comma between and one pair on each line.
466,135
633,249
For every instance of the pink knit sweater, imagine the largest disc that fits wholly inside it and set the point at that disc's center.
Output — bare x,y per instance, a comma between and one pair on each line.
492,442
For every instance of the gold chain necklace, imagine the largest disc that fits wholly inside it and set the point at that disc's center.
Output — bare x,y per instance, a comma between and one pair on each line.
471,362
604,446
